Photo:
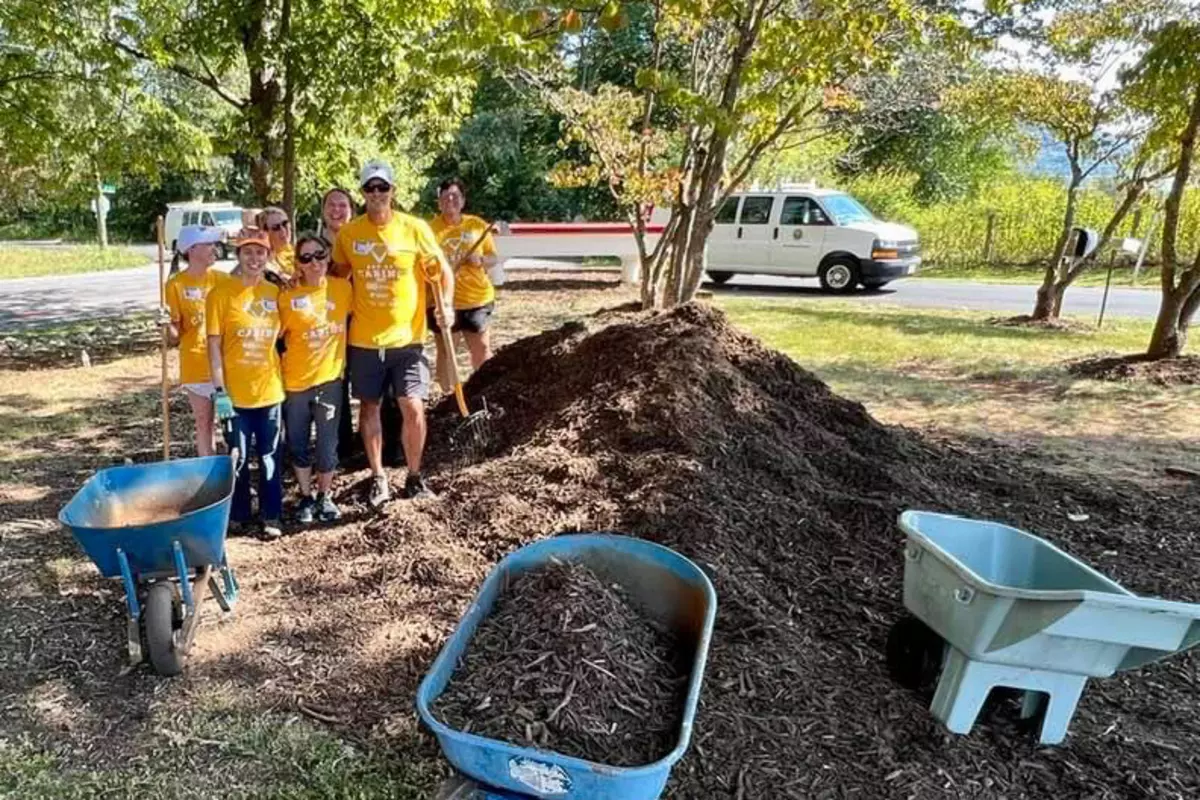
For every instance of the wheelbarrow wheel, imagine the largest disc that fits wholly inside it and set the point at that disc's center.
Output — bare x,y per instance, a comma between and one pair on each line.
160,620
914,654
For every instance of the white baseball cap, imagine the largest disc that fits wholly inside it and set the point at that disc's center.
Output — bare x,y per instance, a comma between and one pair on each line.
376,168
192,235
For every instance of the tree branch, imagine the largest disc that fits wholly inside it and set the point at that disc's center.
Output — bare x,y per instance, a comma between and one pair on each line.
209,81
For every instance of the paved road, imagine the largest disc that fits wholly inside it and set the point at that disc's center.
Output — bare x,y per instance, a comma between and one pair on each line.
966,295
74,297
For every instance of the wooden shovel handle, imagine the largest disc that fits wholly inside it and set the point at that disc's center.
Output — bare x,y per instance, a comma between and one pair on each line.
162,302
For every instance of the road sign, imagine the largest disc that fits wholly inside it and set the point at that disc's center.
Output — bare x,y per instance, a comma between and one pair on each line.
108,188
105,205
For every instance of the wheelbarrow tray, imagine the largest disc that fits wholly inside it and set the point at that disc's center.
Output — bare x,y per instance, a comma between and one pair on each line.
664,584
143,509
1001,595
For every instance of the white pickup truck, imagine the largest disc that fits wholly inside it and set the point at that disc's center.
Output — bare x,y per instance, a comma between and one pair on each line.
792,231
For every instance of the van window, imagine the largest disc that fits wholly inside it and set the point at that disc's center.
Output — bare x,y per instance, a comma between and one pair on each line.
802,211
728,211
756,210
190,217
206,219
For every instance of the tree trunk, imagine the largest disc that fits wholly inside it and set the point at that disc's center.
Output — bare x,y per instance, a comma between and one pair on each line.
1170,329
101,219
264,102
1049,297
289,115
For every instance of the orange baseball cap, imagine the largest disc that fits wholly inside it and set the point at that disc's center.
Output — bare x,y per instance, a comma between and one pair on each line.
252,236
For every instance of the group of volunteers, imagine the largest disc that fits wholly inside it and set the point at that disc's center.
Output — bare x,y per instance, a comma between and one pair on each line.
266,349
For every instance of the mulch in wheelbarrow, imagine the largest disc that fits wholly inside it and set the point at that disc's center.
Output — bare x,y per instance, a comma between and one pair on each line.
566,662
680,429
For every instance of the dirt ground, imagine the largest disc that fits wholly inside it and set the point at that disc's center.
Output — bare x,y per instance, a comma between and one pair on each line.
676,428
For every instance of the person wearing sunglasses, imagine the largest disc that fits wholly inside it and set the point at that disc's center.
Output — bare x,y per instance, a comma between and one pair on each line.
390,257
313,316
474,295
274,221
186,293
242,318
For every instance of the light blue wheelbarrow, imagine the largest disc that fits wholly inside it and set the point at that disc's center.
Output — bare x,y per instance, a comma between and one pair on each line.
161,527
998,607
664,584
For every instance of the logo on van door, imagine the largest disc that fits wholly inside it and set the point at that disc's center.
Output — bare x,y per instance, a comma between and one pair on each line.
797,233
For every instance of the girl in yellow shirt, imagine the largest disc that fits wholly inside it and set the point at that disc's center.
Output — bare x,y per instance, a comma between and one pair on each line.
186,295
314,314
243,324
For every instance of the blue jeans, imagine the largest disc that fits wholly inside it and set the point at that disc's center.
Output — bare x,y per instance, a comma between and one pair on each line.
260,428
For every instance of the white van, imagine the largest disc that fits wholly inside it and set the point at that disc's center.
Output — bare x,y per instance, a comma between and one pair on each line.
223,215
804,231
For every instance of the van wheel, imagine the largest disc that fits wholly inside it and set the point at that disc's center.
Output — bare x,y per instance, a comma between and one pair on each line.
838,275
720,278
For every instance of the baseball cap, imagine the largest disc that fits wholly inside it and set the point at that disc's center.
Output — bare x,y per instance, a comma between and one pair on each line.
252,236
192,235
376,168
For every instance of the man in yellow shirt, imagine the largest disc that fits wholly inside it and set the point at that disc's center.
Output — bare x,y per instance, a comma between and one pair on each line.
389,257
474,295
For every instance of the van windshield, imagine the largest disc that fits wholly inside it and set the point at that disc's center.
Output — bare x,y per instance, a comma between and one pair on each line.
845,209
227,216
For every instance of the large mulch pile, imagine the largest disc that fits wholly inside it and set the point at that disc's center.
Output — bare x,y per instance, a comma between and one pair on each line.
680,429
1184,370
566,662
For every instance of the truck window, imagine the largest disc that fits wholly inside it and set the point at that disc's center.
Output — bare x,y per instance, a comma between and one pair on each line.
802,211
728,211
756,210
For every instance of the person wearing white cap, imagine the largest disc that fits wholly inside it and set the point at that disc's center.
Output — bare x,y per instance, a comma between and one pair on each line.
186,293
390,257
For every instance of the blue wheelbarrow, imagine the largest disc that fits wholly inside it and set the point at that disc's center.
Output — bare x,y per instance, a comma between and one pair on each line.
161,527
994,606
664,584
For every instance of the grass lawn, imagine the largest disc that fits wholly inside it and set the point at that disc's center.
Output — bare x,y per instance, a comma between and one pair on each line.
953,372
29,262
984,273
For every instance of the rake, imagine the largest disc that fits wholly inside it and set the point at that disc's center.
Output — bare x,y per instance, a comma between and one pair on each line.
474,434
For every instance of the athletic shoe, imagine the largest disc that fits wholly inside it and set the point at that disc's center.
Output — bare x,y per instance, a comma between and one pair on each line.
381,492
415,488
306,511
271,529
326,510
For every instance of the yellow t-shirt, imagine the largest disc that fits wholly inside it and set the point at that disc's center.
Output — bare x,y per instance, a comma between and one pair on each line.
314,329
388,267
285,259
247,320
186,298
472,287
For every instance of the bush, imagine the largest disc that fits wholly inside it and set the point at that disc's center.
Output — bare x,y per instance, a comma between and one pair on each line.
1028,212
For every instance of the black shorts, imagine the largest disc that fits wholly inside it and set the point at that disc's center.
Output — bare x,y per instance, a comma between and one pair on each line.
405,368
471,320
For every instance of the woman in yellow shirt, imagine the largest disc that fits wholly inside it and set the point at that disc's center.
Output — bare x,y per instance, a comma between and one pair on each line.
474,295
243,324
186,294
313,315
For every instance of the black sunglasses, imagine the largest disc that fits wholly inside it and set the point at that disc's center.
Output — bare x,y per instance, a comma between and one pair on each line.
278,226
308,258
372,188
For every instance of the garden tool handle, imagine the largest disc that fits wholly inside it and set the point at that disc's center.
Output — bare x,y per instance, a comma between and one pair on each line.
447,337
162,304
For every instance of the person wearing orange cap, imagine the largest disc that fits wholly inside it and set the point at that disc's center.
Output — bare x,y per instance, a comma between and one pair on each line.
187,294
242,318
